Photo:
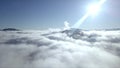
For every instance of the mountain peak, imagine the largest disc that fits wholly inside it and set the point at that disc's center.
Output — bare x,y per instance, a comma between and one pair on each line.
10,29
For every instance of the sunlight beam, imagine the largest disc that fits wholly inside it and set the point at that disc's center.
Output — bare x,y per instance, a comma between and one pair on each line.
76,25
92,10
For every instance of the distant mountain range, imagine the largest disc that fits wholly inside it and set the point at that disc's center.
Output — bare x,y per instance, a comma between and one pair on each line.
9,29
67,30
79,33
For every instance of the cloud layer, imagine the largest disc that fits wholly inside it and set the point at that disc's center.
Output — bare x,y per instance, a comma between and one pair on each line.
60,49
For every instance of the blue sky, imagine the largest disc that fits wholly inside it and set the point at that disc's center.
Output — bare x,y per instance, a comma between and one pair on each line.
42,14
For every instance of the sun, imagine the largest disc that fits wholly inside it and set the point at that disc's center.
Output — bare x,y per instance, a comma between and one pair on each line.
94,9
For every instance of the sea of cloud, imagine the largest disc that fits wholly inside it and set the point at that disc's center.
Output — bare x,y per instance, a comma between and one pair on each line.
55,49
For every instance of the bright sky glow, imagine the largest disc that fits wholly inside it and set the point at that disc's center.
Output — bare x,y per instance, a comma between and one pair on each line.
92,10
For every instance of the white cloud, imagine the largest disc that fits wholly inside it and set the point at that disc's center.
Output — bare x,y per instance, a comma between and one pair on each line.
66,25
54,49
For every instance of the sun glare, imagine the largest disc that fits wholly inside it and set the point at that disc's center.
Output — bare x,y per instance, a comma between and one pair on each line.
93,9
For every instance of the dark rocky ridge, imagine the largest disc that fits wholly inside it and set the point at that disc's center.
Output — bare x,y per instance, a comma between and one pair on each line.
10,29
